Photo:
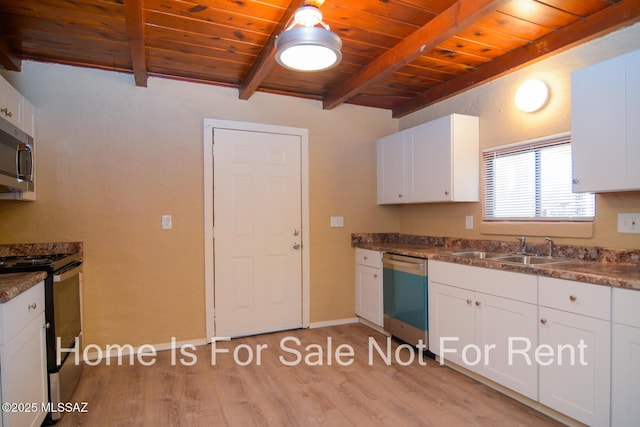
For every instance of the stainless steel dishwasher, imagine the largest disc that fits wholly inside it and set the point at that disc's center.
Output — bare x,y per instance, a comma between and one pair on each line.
404,287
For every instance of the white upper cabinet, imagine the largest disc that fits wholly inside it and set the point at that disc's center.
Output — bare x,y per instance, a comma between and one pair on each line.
16,109
391,181
10,103
437,161
605,106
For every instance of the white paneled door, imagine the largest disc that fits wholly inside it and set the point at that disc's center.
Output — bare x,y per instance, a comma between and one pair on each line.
257,238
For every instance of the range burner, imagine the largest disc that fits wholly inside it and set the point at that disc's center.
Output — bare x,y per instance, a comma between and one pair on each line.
36,262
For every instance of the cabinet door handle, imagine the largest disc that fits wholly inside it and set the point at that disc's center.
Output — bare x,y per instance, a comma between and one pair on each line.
400,195
32,306
575,180
446,193
543,321
477,303
468,301
573,298
375,276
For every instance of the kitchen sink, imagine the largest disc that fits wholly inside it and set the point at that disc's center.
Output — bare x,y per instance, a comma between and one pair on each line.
511,258
479,254
530,259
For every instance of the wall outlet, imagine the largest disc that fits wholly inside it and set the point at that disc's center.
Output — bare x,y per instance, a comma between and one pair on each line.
629,223
469,222
167,222
336,221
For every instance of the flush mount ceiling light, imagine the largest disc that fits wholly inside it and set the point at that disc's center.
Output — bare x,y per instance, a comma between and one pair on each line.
305,47
532,95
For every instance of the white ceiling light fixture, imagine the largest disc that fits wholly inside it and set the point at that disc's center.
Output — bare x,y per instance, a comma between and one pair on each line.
305,47
532,95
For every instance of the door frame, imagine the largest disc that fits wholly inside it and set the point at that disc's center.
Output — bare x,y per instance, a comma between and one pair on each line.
209,253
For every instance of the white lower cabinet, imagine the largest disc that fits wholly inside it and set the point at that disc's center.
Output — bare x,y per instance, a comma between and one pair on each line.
575,334
545,338
625,372
511,327
451,320
481,331
369,286
23,365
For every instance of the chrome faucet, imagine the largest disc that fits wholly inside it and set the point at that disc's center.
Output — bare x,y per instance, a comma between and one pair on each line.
523,244
548,239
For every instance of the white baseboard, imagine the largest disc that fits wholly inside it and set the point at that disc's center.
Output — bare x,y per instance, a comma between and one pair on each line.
338,322
117,350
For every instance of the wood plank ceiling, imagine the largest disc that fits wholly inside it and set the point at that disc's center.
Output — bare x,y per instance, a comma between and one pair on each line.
400,55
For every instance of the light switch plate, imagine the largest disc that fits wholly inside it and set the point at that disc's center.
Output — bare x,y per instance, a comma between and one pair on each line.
167,222
469,222
629,223
336,221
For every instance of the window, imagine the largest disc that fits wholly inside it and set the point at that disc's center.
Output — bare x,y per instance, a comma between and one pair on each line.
533,181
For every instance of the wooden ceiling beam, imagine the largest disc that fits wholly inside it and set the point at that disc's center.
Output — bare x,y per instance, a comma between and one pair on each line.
447,24
266,60
135,31
607,20
8,59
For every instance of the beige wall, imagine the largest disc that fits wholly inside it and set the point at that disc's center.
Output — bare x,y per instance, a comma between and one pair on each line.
112,158
501,123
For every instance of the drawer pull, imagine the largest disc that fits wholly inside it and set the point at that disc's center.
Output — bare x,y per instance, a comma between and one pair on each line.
375,276
543,321
573,298
32,306
366,258
477,303
468,301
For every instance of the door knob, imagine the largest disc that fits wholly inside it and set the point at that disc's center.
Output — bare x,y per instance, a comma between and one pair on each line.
296,246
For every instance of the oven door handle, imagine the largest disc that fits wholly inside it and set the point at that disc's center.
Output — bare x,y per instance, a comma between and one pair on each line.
67,274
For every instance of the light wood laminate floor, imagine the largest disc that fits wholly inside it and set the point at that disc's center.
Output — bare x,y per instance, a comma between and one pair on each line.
273,394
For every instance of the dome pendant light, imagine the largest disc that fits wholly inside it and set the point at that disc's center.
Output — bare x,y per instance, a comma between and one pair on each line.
305,47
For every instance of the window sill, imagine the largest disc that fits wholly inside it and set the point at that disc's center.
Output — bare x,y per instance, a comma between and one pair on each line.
579,230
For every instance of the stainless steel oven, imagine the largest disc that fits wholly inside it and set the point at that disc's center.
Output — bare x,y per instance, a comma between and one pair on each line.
64,331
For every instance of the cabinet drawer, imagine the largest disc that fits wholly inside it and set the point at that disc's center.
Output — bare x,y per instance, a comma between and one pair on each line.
20,311
575,297
506,284
625,307
368,257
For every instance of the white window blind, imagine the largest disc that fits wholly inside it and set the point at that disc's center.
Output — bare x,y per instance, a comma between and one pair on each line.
533,181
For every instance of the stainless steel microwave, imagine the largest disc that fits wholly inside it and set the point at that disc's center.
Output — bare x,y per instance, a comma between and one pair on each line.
16,159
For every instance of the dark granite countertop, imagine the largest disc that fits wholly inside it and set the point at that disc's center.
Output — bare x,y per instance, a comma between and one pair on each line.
603,272
13,284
